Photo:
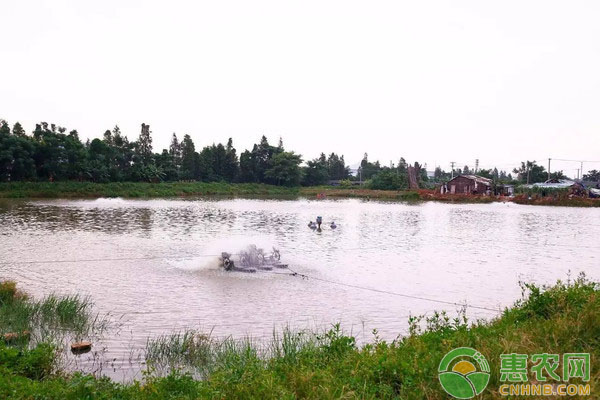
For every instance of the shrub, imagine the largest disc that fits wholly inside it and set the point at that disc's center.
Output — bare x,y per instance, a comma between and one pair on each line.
36,363
8,291
388,180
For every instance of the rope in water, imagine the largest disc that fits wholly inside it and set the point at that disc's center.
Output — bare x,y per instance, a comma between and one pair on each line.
305,276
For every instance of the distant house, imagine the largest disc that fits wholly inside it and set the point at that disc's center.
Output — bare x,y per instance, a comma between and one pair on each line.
504,190
577,188
468,184
553,184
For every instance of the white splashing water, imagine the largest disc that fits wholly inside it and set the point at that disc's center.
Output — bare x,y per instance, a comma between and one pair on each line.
208,259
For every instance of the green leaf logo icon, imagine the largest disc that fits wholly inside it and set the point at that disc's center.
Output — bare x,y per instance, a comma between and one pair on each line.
464,373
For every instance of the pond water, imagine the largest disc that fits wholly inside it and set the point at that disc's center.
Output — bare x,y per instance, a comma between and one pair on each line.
152,263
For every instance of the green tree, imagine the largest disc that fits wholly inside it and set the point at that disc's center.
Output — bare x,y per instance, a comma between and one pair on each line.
166,163
188,159
175,152
558,175
264,153
486,173
592,175
316,172
16,153
248,166
531,172
388,179
144,146
50,156
336,165
368,169
284,169
98,167
231,167
18,130
123,155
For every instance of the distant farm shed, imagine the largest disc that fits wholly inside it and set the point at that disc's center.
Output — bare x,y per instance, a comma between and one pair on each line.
468,184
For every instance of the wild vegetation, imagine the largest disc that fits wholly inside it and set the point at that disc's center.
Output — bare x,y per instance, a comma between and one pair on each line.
46,319
558,319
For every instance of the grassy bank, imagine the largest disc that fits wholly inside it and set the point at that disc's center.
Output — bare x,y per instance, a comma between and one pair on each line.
561,319
49,319
138,189
181,189
363,193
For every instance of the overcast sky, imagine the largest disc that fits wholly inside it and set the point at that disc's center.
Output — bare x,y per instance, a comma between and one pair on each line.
433,81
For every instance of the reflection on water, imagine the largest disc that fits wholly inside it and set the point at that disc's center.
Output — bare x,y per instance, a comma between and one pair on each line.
472,253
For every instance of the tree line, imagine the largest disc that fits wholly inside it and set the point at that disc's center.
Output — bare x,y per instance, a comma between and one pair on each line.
51,153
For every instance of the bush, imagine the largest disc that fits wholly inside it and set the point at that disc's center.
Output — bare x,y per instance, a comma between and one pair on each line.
8,291
388,180
36,363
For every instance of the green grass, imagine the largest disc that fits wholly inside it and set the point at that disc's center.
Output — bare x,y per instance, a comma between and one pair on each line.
138,189
72,189
330,365
51,319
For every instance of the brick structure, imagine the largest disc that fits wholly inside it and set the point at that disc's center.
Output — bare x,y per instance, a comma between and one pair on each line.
468,184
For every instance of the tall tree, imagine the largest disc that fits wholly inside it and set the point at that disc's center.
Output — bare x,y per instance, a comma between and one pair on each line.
188,159
248,166
144,145
231,168
175,152
18,130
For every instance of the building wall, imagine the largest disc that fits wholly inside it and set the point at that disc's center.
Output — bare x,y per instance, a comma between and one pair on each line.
463,185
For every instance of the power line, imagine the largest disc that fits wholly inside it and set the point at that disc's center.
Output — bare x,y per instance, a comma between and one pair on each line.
294,273
587,161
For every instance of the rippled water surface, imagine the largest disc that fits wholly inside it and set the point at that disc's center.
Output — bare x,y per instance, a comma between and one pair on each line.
150,263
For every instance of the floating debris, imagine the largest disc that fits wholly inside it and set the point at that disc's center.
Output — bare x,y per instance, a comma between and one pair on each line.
81,347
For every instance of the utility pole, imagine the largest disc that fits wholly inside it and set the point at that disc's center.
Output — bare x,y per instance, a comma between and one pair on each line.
549,168
528,172
476,165
581,170
452,165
